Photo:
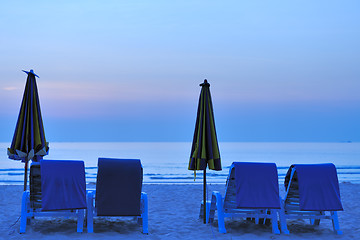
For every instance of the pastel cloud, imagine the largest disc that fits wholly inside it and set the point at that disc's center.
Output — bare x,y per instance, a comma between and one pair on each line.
10,88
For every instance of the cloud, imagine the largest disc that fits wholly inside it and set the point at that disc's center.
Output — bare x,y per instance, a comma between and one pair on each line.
10,88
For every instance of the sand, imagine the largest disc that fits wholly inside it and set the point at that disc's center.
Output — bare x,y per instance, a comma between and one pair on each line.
173,214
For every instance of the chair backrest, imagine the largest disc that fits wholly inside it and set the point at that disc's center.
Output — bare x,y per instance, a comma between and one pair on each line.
292,196
118,187
252,185
63,185
35,185
230,192
314,187
58,192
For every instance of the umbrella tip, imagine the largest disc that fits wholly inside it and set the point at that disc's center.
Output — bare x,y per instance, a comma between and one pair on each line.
31,71
205,83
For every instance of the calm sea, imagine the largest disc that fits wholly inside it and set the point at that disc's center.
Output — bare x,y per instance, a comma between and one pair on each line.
166,162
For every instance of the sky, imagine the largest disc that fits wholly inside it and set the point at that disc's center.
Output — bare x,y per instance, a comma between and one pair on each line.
280,71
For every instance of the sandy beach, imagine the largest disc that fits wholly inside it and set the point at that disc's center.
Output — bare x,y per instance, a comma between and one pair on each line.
174,214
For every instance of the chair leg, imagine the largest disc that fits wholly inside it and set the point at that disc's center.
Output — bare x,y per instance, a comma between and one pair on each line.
145,213
212,210
256,219
201,214
282,217
315,222
90,213
208,207
24,210
80,220
335,222
274,221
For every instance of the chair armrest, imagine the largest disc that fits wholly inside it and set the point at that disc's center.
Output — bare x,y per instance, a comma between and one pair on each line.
216,204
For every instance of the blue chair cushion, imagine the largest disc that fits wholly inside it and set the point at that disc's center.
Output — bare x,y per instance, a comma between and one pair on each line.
118,187
318,187
256,185
63,185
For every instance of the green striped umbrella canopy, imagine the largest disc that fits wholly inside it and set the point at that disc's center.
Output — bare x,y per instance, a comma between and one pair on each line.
29,141
205,149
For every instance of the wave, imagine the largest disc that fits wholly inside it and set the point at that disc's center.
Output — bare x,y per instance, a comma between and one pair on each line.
176,174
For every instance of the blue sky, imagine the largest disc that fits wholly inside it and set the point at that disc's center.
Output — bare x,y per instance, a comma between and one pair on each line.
130,70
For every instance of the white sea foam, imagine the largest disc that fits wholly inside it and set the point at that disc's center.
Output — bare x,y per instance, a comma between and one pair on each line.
167,162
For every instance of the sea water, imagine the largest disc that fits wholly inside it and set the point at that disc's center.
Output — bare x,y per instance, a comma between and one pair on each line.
167,162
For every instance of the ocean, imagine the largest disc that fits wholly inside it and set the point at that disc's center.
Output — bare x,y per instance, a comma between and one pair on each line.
167,162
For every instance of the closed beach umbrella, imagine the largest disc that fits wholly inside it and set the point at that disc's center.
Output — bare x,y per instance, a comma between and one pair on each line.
205,149
29,138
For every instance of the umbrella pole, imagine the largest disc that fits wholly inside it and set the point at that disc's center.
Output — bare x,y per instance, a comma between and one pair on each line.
204,200
25,175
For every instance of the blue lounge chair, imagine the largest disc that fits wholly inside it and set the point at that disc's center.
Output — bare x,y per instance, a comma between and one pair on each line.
252,191
57,189
312,192
118,192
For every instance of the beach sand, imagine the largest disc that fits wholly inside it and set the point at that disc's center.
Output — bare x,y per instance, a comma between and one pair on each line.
174,214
